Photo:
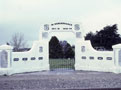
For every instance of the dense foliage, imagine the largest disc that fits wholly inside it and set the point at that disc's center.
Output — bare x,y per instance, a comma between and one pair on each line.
55,49
60,49
106,37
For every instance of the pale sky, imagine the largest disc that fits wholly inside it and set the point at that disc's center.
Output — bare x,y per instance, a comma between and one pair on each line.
26,16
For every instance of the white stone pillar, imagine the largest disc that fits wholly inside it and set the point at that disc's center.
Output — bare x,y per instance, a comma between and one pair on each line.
46,55
45,39
8,49
117,58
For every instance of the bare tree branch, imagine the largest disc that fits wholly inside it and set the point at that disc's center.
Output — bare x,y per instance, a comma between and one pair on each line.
18,42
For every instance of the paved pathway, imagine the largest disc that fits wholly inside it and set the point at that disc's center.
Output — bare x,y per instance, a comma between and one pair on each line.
67,80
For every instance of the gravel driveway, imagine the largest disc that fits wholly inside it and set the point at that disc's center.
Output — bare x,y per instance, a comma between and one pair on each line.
53,80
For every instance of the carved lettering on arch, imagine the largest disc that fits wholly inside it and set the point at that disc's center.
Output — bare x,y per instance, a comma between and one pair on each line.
61,23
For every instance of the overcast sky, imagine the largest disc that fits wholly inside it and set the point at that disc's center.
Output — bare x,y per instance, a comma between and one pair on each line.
26,16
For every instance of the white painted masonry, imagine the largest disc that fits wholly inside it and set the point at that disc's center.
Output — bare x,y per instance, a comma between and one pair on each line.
6,59
32,60
93,60
37,59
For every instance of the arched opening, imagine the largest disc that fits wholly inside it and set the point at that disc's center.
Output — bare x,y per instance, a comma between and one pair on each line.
62,51
73,33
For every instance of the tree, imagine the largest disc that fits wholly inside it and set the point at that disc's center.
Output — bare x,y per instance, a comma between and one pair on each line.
106,37
69,53
68,50
89,36
18,42
55,49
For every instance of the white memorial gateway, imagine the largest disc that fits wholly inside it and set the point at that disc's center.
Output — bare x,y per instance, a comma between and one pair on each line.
37,59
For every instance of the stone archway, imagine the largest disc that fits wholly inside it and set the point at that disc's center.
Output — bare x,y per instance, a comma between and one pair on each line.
59,27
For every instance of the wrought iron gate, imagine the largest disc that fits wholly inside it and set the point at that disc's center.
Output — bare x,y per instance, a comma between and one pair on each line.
62,64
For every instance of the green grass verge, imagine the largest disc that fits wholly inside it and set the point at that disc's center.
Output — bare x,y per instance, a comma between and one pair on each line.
61,63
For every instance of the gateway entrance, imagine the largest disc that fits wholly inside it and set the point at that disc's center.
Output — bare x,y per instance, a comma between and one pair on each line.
37,59
59,61
62,51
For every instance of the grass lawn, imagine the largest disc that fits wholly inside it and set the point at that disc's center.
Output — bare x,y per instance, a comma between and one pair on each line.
61,64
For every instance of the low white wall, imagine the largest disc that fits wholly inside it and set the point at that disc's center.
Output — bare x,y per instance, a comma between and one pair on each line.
86,58
38,64
102,60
